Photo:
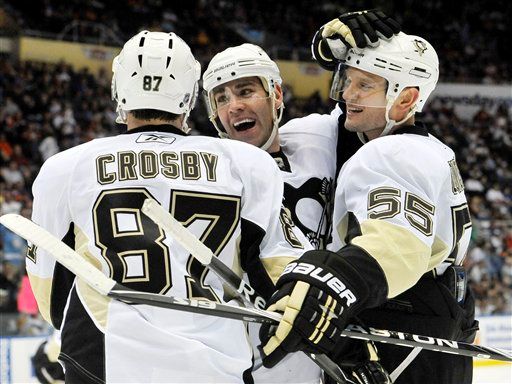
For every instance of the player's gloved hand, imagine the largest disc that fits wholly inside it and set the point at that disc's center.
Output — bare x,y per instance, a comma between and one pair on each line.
46,370
360,361
316,295
351,30
370,372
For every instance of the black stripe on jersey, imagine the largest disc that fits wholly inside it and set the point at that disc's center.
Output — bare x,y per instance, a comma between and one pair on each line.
247,375
62,282
353,228
158,128
252,236
83,345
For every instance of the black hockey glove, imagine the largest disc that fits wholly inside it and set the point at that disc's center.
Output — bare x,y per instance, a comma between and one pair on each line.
47,372
360,361
316,295
370,372
350,30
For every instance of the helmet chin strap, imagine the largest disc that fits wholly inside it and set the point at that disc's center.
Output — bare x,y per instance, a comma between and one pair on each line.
184,126
277,115
390,123
122,116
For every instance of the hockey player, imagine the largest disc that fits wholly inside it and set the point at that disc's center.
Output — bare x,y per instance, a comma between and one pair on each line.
402,227
229,194
245,102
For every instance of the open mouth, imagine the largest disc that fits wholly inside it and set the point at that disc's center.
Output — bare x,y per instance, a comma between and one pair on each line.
244,125
354,110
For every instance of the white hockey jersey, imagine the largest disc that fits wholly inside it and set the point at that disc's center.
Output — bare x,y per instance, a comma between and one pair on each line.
401,199
229,194
307,160
308,164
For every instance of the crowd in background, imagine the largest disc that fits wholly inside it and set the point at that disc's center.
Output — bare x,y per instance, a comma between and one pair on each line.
47,108
472,37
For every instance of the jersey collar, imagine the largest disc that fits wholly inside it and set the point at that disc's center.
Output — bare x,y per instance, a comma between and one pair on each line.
158,128
281,160
419,129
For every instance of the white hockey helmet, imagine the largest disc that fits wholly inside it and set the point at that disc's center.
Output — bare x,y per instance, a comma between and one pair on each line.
155,70
404,61
246,60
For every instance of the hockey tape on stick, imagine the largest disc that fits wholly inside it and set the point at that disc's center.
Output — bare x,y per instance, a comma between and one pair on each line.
106,286
205,256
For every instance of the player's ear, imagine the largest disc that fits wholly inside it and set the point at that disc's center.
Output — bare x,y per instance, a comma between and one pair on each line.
278,91
404,103
408,98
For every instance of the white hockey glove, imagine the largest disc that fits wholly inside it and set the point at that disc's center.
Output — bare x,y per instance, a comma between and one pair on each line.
351,30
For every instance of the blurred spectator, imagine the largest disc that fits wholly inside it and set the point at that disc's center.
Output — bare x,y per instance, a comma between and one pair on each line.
9,280
472,46
30,322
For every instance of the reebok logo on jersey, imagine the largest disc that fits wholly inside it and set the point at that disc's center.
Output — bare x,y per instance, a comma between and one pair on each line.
327,278
155,138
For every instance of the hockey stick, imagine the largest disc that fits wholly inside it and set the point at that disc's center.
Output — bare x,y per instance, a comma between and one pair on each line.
109,287
106,286
183,236
205,256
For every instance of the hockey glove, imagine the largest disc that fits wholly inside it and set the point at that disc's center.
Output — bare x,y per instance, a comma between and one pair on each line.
360,361
47,371
351,30
316,295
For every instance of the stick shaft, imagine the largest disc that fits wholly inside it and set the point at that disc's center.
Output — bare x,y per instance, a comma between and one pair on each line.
106,286
248,294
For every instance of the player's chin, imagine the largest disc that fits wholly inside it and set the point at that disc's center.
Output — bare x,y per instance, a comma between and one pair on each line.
252,136
351,127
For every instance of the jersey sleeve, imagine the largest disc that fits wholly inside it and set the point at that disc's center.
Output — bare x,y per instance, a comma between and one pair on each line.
270,239
389,213
49,280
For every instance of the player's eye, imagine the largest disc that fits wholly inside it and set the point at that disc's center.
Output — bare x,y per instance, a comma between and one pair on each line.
221,99
366,86
246,92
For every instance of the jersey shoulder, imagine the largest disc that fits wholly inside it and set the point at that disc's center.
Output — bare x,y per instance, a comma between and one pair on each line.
64,161
408,158
314,124
247,157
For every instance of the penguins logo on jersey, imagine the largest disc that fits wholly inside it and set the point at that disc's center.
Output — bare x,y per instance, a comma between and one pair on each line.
319,191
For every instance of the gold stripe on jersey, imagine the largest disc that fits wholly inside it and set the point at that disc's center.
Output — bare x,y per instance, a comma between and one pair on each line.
440,251
402,256
42,288
96,304
275,266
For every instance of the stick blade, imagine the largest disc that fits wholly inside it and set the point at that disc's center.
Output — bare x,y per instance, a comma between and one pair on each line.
60,251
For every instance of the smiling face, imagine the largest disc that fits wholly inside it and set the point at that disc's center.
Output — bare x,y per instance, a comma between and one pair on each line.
365,96
245,110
